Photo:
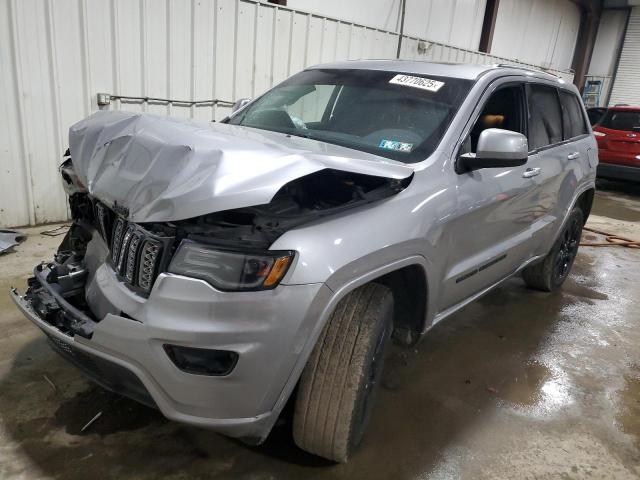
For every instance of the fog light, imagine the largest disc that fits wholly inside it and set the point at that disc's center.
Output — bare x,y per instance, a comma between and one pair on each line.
202,361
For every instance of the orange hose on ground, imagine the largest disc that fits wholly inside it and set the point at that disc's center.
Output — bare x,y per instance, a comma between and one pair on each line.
611,240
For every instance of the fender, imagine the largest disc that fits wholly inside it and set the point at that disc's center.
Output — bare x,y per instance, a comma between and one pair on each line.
335,294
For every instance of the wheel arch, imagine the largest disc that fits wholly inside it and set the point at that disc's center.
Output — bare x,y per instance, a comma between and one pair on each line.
408,280
409,286
585,202
389,274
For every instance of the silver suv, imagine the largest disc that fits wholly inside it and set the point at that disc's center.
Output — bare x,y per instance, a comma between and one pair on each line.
216,271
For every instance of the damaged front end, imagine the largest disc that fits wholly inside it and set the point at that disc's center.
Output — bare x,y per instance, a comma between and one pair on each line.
309,198
56,291
137,252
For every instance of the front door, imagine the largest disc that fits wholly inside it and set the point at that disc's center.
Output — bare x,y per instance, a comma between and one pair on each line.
498,208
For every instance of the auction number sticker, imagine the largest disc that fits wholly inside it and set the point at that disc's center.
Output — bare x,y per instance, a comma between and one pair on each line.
417,82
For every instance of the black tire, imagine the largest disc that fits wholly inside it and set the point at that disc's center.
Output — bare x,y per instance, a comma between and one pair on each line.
337,386
549,274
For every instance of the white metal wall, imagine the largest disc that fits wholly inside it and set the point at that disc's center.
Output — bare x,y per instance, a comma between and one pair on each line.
454,22
626,86
55,55
608,41
543,32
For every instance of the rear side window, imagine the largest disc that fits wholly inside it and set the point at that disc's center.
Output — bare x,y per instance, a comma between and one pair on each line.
545,117
573,122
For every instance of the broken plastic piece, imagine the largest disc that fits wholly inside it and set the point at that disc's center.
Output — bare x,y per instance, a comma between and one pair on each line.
9,239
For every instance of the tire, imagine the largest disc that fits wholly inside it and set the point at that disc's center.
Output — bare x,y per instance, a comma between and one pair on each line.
549,274
337,386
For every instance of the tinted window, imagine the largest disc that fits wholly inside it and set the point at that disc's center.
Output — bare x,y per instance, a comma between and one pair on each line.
502,110
365,110
545,117
572,118
595,114
621,120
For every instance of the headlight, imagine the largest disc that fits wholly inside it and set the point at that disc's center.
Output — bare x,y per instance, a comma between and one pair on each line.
230,270
599,134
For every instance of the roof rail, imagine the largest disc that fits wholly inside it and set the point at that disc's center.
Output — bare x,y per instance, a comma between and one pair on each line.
528,69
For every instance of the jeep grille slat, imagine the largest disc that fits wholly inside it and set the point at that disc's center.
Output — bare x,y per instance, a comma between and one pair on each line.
116,242
103,220
148,264
124,249
132,256
136,254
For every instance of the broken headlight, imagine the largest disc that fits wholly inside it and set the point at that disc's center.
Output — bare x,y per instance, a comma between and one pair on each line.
230,270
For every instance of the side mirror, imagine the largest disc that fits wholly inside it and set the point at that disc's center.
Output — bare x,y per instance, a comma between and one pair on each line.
239,104
497,148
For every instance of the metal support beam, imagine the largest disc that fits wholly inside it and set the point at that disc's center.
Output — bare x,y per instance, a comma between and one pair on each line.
488,25
590,12
403,4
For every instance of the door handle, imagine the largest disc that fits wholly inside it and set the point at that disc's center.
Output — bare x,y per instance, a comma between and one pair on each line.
573,156
531,172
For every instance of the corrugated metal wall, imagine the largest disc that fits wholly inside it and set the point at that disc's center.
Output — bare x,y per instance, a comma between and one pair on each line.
625,86
454,22
543,32
56,55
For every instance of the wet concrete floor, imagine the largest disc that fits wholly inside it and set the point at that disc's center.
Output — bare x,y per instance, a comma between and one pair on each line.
519,384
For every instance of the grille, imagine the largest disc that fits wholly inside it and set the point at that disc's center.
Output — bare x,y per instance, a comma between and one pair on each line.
136,255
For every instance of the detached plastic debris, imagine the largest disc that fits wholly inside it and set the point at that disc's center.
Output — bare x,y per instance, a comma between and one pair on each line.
54,232
9,239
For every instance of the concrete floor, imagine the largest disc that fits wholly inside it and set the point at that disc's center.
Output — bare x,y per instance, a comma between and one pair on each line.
520,384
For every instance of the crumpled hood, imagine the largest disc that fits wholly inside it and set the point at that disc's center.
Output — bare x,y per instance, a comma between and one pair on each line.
167,169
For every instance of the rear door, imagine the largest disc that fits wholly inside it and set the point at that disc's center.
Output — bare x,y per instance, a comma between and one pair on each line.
550,162
582,153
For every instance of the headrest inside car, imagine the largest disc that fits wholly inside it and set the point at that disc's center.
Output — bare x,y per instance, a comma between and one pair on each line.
492,121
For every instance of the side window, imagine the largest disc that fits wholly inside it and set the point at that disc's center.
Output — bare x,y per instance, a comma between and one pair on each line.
545,117
504,110
573,123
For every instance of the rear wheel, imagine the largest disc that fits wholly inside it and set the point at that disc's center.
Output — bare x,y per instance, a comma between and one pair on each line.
337,386
550,273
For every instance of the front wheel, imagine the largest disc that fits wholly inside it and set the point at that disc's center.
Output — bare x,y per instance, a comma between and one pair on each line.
337,386
549,274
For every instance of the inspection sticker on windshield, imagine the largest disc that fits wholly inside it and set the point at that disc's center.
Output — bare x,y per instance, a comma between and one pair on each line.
417,82
396,146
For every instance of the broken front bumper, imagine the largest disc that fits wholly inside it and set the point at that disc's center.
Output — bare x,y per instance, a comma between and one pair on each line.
125,353
101,369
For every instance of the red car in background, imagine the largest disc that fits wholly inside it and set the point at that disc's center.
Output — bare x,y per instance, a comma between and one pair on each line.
618,136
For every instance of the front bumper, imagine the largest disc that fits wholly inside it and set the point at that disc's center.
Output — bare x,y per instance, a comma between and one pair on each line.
269,330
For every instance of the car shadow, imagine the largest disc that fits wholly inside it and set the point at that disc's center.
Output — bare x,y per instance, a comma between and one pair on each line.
630,189
431,396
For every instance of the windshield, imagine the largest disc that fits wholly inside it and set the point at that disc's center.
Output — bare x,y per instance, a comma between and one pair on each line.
621,120
398,116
